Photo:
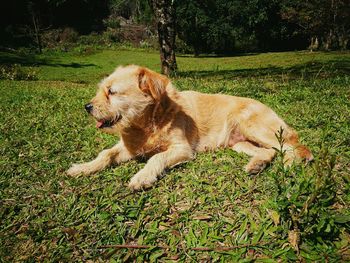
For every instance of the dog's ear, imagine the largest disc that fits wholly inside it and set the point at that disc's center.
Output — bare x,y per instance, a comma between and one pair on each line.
152,83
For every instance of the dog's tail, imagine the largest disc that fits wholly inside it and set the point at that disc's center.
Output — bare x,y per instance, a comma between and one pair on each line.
295,151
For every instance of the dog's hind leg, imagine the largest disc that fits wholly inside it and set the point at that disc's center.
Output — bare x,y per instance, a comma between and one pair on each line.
116,154
260,156
267,138
261,127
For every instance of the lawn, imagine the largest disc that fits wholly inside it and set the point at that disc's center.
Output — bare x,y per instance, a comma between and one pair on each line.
199,207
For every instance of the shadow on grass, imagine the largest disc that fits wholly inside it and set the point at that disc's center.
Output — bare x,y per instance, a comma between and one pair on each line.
8,58
219,55
319,69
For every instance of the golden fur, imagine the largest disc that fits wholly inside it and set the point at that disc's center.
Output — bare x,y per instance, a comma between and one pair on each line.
155,120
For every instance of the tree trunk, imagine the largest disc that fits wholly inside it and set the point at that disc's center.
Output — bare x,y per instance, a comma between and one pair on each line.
314,43
328,43
343,41
37,33
31,7
196,52
164,11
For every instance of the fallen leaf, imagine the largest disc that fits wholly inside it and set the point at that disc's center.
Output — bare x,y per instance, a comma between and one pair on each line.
202,217
294,238
274,216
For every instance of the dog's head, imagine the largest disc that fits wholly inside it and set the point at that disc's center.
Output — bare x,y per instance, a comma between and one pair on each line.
124,95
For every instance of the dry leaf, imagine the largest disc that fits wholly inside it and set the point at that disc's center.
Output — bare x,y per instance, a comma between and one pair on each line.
202,217
162,227
182,206
294,238
274,216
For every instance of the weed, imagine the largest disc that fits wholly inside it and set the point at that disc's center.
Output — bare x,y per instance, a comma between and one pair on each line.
304,201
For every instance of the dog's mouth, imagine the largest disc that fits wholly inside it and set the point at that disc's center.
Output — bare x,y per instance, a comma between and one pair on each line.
108,123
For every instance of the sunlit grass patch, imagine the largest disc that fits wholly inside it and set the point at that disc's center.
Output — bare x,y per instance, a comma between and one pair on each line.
206,203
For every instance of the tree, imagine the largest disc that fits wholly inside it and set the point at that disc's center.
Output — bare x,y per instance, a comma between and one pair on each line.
36,25
135,10
164,11
325,22
206,25
192,24
222,26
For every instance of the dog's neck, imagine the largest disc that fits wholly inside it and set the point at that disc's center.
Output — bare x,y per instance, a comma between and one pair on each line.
155,116
142,135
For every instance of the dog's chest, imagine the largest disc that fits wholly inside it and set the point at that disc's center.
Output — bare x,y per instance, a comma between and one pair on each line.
146,143
155,143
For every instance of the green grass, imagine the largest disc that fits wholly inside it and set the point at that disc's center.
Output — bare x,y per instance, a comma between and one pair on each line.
208,202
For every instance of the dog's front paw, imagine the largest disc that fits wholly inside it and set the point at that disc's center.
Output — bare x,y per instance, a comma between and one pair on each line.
77,169
141,181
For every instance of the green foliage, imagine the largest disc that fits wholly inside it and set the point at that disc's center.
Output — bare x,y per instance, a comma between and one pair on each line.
200,26
227,26
137,10
328,21
204,26
208,202
304,200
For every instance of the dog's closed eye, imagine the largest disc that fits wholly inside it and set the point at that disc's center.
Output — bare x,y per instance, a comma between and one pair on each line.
116,92
111,92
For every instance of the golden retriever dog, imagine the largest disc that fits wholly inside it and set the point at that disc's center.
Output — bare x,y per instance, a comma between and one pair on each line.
169,127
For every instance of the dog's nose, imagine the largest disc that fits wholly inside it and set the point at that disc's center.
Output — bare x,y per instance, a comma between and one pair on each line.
88,107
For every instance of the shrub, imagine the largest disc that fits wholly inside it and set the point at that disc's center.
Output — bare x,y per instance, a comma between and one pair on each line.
112,22
111,36
51,38
182,47
69,35
92,39
17,72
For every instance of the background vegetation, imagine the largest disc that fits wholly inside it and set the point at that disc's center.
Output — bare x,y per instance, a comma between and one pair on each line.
278,215
203,26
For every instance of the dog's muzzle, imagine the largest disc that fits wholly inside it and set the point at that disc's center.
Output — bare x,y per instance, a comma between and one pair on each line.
108,123
89,107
